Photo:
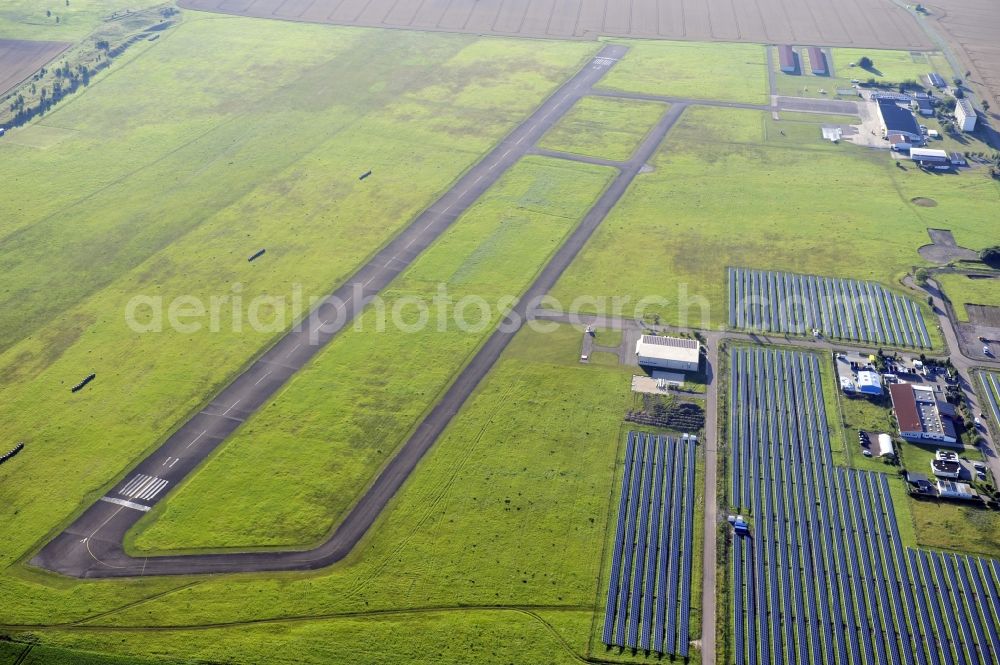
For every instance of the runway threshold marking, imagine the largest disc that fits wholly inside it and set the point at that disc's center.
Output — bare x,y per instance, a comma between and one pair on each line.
143,487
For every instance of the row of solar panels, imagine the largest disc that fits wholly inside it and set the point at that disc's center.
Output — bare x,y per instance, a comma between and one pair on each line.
840,308
991,386
824,576
649,597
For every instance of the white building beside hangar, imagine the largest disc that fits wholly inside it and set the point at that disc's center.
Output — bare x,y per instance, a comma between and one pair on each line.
965,114
669,352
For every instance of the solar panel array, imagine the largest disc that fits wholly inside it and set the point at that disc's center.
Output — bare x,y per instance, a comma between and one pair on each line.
991,388
823,576
848,309
649,599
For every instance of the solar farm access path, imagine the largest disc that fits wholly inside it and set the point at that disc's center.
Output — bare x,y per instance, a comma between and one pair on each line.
91,547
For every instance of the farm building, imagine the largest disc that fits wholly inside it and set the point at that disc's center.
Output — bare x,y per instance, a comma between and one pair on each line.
788,59
817,61
919,415
898,120
935,79
669,352
958,159
949,489
931,159
869,383
965,114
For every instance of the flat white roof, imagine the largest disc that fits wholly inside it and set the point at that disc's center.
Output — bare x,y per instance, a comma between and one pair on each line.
677,349
869,378
928,152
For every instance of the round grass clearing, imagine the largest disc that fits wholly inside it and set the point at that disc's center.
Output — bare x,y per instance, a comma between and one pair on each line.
923,201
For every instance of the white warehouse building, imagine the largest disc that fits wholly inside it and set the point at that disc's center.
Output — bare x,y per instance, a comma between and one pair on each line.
669,352
965,114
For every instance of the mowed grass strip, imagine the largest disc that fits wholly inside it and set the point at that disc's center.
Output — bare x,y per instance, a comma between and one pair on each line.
699,70
322,441
963,290
730,201
604,127
317,221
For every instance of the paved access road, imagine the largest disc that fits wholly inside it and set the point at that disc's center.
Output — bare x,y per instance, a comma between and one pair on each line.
92,545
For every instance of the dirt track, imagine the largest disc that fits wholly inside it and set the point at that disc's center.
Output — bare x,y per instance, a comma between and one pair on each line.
20,59
872,23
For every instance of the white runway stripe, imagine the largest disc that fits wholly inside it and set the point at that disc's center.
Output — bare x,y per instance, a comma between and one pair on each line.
127,490
143,487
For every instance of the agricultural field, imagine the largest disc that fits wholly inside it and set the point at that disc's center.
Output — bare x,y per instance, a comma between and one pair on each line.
784,478
604,127
806,215
765,21
346,414
19,59
677,69
962,290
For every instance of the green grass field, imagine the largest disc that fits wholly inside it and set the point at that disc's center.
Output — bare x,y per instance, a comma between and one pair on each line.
889,68
209,188
500,528
326,436
160,179
962,291
604,127
27,19
725,191
678,69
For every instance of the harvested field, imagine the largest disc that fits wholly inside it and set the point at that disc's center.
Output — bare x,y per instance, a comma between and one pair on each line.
871,23
19,59
972,27
984,315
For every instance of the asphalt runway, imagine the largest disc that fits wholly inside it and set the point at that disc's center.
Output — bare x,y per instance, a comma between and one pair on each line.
92,545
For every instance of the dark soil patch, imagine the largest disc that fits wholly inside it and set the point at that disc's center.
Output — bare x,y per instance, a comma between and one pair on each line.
923,201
